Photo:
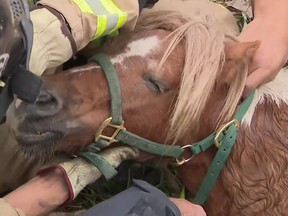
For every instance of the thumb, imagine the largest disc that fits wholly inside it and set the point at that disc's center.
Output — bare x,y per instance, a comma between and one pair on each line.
256,78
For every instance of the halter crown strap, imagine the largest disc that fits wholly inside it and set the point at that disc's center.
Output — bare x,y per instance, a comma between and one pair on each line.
113,85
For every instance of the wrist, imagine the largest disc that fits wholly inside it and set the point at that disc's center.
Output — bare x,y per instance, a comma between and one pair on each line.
58,175
73,174
41,195
265,9
264,25
55,180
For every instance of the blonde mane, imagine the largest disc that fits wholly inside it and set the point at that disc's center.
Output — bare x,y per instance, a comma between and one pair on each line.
204,60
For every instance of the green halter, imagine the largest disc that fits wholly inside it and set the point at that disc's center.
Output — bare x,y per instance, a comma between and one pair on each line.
223,139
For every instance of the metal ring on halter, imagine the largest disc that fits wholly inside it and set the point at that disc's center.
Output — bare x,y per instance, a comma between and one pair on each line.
181,160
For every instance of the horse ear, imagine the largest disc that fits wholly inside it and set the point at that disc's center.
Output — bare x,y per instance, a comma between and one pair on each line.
237,55
241,50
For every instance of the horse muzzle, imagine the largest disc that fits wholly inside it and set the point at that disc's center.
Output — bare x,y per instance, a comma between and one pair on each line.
32,123
46,105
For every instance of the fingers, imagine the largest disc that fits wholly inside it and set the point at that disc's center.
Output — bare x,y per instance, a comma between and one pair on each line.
269,58
187,208
258,77
254,80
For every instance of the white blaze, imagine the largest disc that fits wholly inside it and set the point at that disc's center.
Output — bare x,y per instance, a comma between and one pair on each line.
141,47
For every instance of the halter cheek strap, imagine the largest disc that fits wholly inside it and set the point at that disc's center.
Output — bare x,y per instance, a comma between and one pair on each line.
223,139
116,121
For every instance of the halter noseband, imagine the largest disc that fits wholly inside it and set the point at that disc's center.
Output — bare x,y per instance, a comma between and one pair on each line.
223,139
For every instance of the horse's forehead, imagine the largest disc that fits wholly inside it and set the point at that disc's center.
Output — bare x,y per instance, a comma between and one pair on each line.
140,47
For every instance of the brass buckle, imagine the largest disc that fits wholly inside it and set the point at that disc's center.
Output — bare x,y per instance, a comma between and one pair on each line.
107,123
223,130
181,160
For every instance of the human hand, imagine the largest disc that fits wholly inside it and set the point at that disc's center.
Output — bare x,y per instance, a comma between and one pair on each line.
55,185
187,208
272,54
78,172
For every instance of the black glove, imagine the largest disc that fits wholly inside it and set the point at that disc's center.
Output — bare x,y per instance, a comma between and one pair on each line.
140,200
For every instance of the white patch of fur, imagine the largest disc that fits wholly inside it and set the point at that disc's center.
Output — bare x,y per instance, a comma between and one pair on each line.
72,124
276,90
141,47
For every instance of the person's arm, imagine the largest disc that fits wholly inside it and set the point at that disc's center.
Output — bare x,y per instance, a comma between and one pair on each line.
270,9
45,193
270,26
62,183
71,25
56,185
41,195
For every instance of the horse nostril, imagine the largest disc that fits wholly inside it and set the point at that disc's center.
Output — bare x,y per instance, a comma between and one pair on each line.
44,98
47,104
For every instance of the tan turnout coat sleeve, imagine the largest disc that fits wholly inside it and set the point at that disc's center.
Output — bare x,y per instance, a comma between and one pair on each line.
84,25
8,210
61,29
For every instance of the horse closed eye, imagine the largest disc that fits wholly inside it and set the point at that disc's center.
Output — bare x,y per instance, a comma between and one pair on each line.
156,85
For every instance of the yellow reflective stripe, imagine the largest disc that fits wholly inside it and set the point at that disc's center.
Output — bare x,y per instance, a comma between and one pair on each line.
101,26
113,9
101,19
109,17
84,7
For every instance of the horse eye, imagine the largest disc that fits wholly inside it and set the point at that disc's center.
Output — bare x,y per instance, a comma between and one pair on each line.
156,85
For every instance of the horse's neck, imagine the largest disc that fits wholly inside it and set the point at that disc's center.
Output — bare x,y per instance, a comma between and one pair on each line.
261,152
270,104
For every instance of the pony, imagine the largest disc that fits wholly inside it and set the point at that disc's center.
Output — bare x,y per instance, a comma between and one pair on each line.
182,78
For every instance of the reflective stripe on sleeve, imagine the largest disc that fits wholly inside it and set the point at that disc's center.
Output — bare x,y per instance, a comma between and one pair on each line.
109,16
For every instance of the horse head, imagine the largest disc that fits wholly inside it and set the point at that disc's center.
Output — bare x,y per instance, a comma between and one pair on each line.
180,80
